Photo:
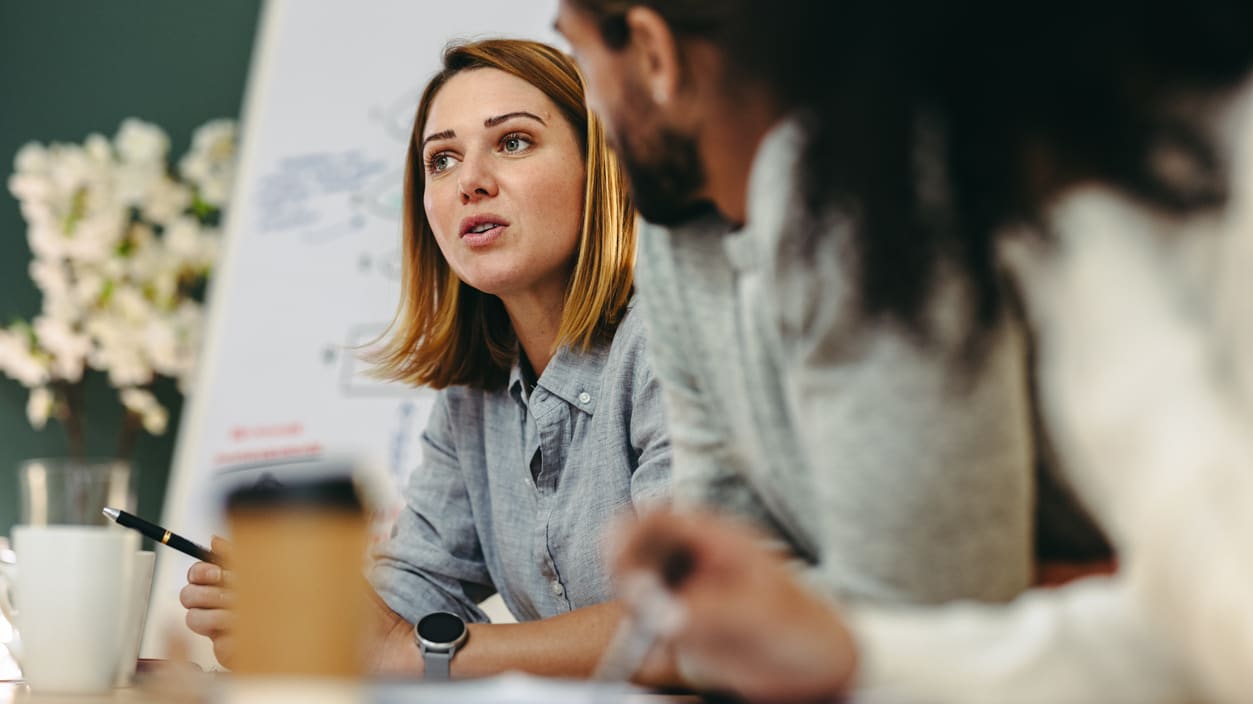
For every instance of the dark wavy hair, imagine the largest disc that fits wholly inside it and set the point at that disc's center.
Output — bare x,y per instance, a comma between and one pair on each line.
937,123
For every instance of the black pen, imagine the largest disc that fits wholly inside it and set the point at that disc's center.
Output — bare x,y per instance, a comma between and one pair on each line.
161,535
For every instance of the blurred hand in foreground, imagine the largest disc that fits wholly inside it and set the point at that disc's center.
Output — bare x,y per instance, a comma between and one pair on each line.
749,625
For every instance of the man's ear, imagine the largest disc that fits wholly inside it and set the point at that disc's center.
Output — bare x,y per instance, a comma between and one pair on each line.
657,53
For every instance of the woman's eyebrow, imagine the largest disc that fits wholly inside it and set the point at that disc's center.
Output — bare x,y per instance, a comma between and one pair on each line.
493,121
489,122
446,134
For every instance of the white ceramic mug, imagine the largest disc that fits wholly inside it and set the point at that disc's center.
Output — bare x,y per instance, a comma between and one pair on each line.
141,589
74,592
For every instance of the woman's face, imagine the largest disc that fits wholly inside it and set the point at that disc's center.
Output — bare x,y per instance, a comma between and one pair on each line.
504,184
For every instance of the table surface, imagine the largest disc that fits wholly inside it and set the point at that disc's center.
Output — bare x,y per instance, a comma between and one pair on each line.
512,688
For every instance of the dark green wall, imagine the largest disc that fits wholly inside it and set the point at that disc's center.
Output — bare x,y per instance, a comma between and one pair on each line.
71,67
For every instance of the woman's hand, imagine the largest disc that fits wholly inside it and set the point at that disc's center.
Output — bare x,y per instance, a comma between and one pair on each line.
208,598
750,626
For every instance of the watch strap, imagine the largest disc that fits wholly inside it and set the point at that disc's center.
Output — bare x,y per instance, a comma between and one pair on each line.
436,664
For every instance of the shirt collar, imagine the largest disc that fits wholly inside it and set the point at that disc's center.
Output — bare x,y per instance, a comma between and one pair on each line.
574,376
775,193
517,383
774,199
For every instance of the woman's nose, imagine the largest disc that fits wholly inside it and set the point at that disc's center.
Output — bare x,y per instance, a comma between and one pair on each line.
475,180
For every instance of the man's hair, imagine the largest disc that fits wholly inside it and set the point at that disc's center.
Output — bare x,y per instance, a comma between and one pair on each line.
446,332
937,123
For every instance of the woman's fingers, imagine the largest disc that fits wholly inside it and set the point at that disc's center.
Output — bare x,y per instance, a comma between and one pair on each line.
224,649
210,575
195,596
212,623
222,547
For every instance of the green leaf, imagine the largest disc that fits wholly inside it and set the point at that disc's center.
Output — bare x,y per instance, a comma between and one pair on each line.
78,205
107,293
202,209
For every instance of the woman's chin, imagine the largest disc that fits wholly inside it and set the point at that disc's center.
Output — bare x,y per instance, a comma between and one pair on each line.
492,285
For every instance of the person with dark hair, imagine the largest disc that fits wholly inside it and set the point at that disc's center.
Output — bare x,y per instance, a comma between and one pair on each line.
1096,156
515,305
849,396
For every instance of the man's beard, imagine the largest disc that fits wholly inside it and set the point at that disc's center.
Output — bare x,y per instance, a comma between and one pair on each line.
666,174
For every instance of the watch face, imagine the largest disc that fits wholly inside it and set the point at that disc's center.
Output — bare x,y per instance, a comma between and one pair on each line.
441,627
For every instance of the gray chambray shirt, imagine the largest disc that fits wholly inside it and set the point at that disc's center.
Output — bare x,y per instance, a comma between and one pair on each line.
515,488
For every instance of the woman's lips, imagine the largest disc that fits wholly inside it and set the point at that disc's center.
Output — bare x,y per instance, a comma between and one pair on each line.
482,229
482,239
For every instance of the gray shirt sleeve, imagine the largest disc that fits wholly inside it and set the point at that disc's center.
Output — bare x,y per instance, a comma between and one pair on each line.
701,473
650,482
433,561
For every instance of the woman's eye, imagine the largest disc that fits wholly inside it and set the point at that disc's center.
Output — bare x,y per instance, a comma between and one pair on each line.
439,163
514,143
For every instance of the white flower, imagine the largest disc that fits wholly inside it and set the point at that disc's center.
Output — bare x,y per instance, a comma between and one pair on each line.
39,407
210,244
210,163
47,242
191,245
145,259
98,148
33,188
145,405
96,238
68,347
62,305
128,301
125,364
133,182
141,142
173,340
117,350
161,342
33,156
50,276
164,287
166,200
72,168
141,149
18,359
88,288
115,237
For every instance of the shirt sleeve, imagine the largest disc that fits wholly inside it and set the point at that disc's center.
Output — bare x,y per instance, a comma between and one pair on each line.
650,482
433,560
1083,642
702,474
1144,402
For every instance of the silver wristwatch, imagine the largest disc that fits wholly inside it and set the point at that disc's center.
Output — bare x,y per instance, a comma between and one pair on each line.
439,635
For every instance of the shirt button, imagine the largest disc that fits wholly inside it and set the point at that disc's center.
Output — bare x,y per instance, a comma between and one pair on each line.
557,588
585,398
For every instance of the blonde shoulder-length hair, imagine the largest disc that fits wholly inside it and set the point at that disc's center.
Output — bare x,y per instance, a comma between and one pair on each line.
447,333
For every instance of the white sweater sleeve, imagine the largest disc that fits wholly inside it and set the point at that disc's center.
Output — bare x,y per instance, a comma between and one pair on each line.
1083,642
1145,360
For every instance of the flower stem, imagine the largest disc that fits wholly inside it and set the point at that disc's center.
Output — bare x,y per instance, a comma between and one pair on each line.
73,421
130,429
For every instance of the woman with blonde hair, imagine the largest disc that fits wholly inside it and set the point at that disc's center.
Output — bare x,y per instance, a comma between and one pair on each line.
519,243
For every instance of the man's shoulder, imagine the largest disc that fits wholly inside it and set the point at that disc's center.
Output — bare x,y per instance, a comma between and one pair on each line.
682,269
700,233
